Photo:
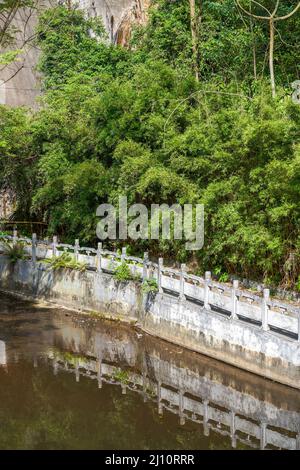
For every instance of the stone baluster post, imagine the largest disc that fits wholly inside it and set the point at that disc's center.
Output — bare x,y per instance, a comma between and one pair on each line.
123,255
263,428
99,372
159,404
54,247
99,254
159,280
15,236
181,408
77,372
234,311
33,248
232,429
145,387
145,268
182,281
205,418
265,309
207,289
76,249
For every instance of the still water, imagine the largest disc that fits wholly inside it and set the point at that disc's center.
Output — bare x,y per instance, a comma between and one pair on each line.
68,382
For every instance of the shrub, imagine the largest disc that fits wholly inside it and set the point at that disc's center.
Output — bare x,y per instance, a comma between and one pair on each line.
222,276
14,251
123,273
149,285
66,260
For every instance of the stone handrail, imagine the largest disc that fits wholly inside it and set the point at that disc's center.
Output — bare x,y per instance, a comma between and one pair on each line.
271,315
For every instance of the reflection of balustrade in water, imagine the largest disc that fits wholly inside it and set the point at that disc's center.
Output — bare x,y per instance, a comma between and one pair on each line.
3,359
238,405
200,408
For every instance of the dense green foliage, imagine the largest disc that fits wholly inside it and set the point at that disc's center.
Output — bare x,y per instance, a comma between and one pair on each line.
227,40
135,121
123,273
69,48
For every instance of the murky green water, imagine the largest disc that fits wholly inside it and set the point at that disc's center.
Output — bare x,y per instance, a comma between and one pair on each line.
71,383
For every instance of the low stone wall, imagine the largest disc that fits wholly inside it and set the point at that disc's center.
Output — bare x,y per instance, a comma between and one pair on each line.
180,321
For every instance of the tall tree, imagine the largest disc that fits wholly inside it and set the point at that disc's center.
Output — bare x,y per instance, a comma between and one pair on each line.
271,18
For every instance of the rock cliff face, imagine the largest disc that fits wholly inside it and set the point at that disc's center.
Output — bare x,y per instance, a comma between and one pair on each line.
19,82
118,16
135,14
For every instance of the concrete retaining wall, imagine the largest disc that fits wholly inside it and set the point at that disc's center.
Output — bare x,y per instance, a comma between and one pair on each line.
244,345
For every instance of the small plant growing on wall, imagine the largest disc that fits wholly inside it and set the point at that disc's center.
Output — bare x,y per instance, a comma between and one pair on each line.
66,260
14,251
123,273
149,285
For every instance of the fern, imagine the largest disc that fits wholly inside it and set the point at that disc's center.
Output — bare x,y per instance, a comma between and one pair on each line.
66,260
14,251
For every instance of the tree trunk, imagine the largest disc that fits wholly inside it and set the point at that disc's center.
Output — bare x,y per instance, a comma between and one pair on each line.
253,49
271,57
194,37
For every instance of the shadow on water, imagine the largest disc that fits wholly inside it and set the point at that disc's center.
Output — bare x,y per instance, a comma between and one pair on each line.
68,381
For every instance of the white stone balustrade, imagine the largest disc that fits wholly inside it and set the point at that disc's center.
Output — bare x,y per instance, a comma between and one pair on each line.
273,316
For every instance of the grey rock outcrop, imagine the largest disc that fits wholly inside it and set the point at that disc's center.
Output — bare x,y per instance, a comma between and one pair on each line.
20,81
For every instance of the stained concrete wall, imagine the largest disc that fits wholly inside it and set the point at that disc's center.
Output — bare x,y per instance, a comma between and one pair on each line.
182,322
